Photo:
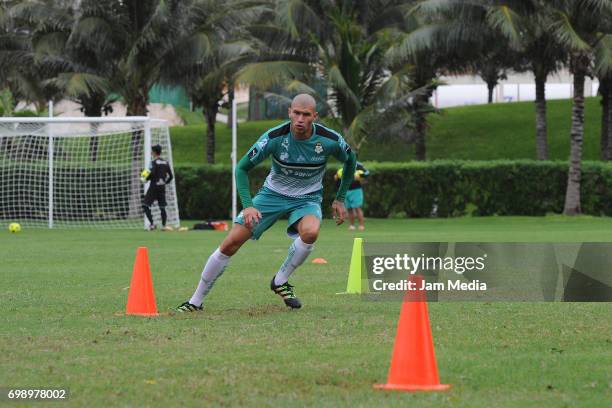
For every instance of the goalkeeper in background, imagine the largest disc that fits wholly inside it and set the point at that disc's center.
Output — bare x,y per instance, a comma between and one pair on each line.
354,196
159,175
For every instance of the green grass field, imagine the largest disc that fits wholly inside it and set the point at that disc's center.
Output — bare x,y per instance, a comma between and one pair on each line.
63,294
480,132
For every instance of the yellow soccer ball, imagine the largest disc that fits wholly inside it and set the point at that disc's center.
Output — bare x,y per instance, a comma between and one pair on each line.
14,227
145,173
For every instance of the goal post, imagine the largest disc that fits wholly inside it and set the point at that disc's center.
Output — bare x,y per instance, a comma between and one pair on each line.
67,172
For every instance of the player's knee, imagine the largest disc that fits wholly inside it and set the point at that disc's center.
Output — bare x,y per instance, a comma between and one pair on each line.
229,248
309,235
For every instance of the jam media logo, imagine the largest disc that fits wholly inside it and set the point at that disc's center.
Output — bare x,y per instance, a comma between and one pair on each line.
318,148
253,152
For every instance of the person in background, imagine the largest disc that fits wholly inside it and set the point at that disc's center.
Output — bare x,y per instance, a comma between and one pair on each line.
354,196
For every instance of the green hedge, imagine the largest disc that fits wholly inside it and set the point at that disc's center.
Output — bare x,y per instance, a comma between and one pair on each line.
425,189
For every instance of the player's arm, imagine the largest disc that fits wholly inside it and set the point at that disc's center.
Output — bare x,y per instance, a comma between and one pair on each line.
348,171
242,181
169,175
344,154
256,154
146,174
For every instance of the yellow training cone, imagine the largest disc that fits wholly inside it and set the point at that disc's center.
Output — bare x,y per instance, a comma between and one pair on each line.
353,285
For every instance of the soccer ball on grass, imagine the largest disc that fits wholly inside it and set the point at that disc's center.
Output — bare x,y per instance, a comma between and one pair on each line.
14,227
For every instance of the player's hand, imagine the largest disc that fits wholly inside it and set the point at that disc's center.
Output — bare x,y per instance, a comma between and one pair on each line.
252,216
338,212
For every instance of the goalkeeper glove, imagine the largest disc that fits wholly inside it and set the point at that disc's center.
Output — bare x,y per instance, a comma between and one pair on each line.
144,174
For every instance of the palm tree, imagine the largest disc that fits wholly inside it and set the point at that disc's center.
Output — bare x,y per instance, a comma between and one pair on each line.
25,39
136,37
577,25
210,56
605,90
340,42
450,37
543,56
603,70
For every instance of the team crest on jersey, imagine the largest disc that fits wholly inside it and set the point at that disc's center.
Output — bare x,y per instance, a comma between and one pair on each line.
253,153
318,148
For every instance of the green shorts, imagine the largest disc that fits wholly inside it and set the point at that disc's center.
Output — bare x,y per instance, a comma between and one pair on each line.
273,206
354,198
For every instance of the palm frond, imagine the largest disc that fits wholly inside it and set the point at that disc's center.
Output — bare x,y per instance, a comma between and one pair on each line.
266,74
562,29
603,55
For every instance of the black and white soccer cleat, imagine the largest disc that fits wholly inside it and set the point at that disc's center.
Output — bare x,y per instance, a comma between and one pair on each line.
286,292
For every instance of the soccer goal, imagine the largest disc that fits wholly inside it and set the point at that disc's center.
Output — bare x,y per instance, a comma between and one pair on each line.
80,172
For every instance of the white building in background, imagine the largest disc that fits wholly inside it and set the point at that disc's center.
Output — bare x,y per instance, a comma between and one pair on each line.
472,90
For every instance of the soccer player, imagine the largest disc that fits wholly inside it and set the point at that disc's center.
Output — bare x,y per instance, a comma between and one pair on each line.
354,196
299,149
160,174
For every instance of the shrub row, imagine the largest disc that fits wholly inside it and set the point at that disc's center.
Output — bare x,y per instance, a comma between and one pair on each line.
424,189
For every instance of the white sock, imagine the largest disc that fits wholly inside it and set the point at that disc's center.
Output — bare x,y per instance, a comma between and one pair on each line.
212,270
298,252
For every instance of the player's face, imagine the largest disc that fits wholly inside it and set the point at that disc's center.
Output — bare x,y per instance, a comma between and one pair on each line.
301,117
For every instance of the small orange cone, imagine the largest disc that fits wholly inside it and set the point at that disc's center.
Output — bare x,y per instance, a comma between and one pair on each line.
319,261
141,298
413,365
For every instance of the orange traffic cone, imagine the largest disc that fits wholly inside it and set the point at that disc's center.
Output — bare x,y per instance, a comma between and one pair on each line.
413,365
141,298
319,261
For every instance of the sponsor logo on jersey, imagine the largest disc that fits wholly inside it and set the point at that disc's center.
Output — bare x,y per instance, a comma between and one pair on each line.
301,159
253,152
318,148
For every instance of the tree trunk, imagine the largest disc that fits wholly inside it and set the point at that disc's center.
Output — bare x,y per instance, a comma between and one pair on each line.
210,113
541,130
490,88
92,107
256,110
605,89
230,100
572,196
420,120
137,107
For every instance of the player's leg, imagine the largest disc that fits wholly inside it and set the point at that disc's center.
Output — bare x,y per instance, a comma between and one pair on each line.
357,200
308,230
306,221
360,218
239,234
351,218
161,202
146,206
215,266
350,204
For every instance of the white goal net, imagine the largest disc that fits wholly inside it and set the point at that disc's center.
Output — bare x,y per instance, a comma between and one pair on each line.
80,172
